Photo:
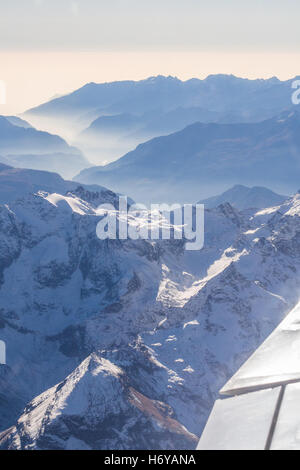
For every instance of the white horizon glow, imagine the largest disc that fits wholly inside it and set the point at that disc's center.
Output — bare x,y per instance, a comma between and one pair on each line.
50,47
33,77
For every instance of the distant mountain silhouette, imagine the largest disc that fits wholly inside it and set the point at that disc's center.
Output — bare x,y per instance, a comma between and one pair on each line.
23,146
242,197
109,119
220,93
204,159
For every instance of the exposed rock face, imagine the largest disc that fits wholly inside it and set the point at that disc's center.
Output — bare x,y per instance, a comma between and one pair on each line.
129,341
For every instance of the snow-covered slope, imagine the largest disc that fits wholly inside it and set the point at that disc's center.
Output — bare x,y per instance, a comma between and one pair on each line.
16,183
218,93
176,324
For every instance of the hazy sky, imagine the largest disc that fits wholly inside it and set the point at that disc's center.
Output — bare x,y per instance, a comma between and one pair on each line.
54,46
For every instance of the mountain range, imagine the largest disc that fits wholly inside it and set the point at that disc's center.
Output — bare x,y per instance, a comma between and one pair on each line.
258,412
107,120
242,197
204,159
124,344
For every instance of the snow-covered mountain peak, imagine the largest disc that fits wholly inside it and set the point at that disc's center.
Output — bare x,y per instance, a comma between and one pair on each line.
90,410
72,202
172,326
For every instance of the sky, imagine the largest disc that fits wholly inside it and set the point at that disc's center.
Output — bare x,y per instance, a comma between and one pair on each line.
50,47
